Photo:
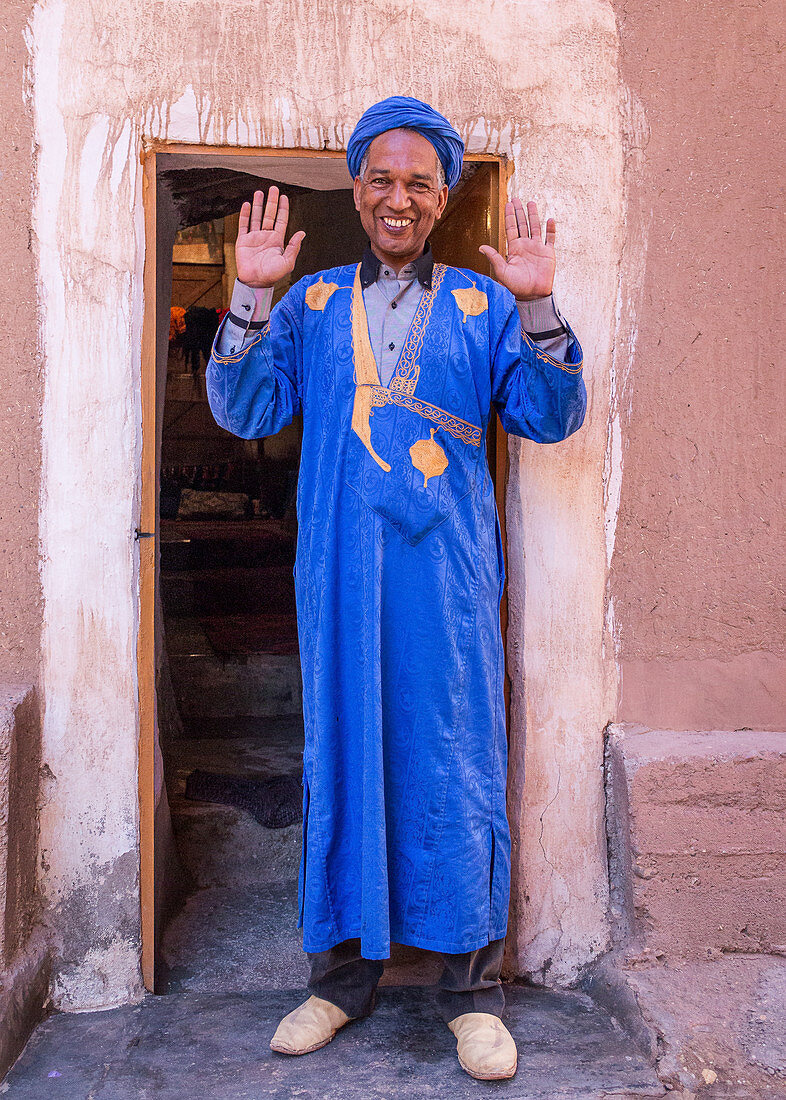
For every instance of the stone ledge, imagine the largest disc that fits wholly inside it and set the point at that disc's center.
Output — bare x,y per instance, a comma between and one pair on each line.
24,990
697,844
20,759
24,951
713,1029
697,869
646,746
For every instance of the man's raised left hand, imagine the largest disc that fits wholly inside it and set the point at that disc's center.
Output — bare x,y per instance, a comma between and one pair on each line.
528,272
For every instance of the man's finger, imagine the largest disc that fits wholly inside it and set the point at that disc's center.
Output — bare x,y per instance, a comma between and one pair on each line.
256,212
292,249
551,231
497,262
521,217
271,206
511,223
245,214
534,222
282,217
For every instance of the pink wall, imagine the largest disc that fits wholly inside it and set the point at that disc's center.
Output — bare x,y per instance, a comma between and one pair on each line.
698,573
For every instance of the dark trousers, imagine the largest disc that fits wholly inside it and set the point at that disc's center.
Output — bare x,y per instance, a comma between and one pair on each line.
470,982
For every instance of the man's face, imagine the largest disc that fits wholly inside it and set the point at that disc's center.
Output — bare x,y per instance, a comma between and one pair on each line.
398,197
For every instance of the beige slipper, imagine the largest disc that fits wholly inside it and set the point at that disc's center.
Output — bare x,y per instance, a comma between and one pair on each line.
485,1046
308,1027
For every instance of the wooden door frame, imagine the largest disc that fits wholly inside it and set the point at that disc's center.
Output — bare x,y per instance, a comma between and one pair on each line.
147,533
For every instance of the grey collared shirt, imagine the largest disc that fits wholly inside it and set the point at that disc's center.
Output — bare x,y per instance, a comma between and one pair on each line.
391,303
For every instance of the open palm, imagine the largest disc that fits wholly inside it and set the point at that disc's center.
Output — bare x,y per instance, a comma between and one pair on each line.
261,257
528,272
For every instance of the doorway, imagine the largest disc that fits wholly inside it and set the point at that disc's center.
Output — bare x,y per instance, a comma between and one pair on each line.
220,714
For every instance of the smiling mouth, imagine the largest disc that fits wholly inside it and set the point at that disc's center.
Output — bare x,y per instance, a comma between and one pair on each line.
397,223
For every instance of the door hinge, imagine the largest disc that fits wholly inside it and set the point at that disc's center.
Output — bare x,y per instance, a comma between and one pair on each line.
144,534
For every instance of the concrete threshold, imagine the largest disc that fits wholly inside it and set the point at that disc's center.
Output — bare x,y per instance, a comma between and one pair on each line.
216,1046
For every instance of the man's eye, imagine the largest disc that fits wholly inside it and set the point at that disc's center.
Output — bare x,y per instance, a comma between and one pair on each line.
379,179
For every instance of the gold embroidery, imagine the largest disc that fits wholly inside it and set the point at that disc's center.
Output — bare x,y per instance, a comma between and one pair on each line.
471,302
405,377
370,394
572,368
458,428
366,374
428,457
238,357
318,294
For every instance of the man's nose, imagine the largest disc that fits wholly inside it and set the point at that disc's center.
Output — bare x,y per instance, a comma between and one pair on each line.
398,197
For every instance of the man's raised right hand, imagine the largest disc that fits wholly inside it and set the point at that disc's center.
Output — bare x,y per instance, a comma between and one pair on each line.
262,260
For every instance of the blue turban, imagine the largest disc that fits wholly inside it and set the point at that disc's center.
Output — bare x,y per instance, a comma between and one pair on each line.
403,111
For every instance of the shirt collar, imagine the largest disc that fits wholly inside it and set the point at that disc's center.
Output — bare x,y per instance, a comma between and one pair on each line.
370,265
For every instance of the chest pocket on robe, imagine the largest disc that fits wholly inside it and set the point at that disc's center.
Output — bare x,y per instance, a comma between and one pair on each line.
430,469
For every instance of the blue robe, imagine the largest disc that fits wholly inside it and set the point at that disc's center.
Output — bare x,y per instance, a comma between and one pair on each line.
398,578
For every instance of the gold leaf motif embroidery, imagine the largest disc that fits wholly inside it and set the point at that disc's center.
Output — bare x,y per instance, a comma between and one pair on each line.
428,457
366,373
361,423
318,294
471,302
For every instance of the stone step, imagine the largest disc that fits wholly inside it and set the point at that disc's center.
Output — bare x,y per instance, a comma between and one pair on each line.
24,947
216,1046
698,845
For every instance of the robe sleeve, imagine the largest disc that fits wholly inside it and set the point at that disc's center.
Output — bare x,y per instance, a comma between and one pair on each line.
537,396
257,391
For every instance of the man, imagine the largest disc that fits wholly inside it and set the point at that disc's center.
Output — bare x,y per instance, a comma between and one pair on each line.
397,364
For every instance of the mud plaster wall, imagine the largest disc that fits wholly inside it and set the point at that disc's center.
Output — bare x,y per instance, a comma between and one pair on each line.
110,73
20,433
698,575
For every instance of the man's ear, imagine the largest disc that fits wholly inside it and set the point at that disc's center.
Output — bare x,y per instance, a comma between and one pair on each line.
356,190
442,200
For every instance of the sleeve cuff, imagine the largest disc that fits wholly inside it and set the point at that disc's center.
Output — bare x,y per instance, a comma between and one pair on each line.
238,331
244,303
540,320
549,335
231,337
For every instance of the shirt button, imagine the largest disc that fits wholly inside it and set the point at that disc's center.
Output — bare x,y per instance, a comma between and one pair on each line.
386,271
391,347
393,305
